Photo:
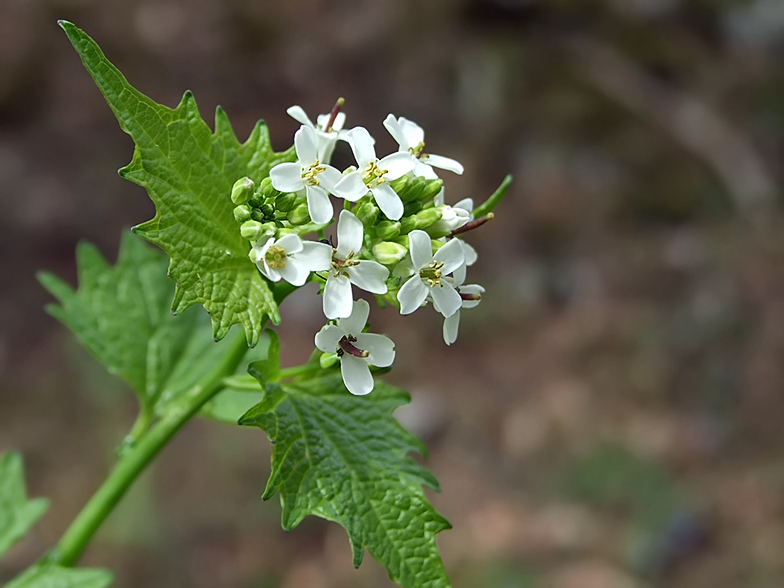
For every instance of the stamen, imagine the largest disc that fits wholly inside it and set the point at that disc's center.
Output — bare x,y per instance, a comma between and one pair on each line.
347,346
334,114
418,150
474,224
275,257
432,274
374,175
313,170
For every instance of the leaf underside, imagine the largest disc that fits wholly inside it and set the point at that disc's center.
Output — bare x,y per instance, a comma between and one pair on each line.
346,459
188,172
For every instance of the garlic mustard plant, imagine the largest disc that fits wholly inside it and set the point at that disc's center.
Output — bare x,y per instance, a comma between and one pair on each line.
239,227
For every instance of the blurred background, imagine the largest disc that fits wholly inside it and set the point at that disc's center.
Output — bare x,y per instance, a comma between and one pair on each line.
610,416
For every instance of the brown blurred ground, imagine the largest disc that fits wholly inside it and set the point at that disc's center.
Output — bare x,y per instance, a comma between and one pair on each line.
610,415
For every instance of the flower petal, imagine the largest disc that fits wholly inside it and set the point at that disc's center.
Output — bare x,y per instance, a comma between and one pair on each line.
470,253
323,119
397,164
388,201
362,145
370,276
466,204
290,243
443,162
327,338
337,302
451,323
356,375
381,348
421,249
319,206
351,187
350,233
354,324
459,276
287,177
412,295
391,125
329,178
305,144
424,171
315,256
299,115
451,255
414,133
271,274
474,289
294,271
446,300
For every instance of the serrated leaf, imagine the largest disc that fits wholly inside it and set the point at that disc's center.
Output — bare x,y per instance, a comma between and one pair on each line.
188,172
346,459
121,315
17,513
45,576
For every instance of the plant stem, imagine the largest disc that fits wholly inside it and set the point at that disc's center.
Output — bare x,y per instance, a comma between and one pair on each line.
299,370
130,465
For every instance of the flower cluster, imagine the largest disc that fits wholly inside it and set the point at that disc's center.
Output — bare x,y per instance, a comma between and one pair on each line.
395,236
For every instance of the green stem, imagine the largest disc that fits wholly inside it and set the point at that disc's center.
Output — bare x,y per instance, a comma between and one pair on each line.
78,535
496,197
299,370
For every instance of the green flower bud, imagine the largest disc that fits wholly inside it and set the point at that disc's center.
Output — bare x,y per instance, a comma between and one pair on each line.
387,229
285,202
257,215
413,189
267,190
412,207
421,220
327,360
400,185
431,190
242,190
389,252
242,213
267,210
367,212
252,230
298,215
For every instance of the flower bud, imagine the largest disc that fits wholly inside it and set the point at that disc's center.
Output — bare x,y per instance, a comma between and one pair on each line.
389,252
421,220
327,360
285,202
413,189
267,190
298,215
257,215
242,190
267,210
431,190
252,230
367,212
400,185
388,229
242,213
412,207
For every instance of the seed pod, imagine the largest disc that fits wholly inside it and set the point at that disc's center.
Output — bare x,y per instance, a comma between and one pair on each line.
242,190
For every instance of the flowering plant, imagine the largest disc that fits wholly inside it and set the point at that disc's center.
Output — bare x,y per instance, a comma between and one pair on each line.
244,226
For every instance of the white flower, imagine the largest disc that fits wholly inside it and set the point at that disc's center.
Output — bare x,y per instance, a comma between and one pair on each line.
428,276
290,258
347,269
452,217
470,296
374,174
326,138
308,174
411,139
356,349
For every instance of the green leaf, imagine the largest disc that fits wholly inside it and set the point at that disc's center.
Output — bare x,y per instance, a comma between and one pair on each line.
17,513
46,576
346,459
188,172
121,315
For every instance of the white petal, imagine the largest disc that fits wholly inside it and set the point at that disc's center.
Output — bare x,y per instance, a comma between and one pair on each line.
337,302
452,255
404,268
323,119
362,145
388,201
327,338
351,187
397,164
354,324
470,253
370,276
305,145
443,163
414,133
329,178
315,256
420,248
299,115
391,125
350,233
381,348
356,375
439,199
459,276
466,204
290,243
325,145
424,171
294,271
451,323
471,289
446,300
287,177
269,273
319,206
412,295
